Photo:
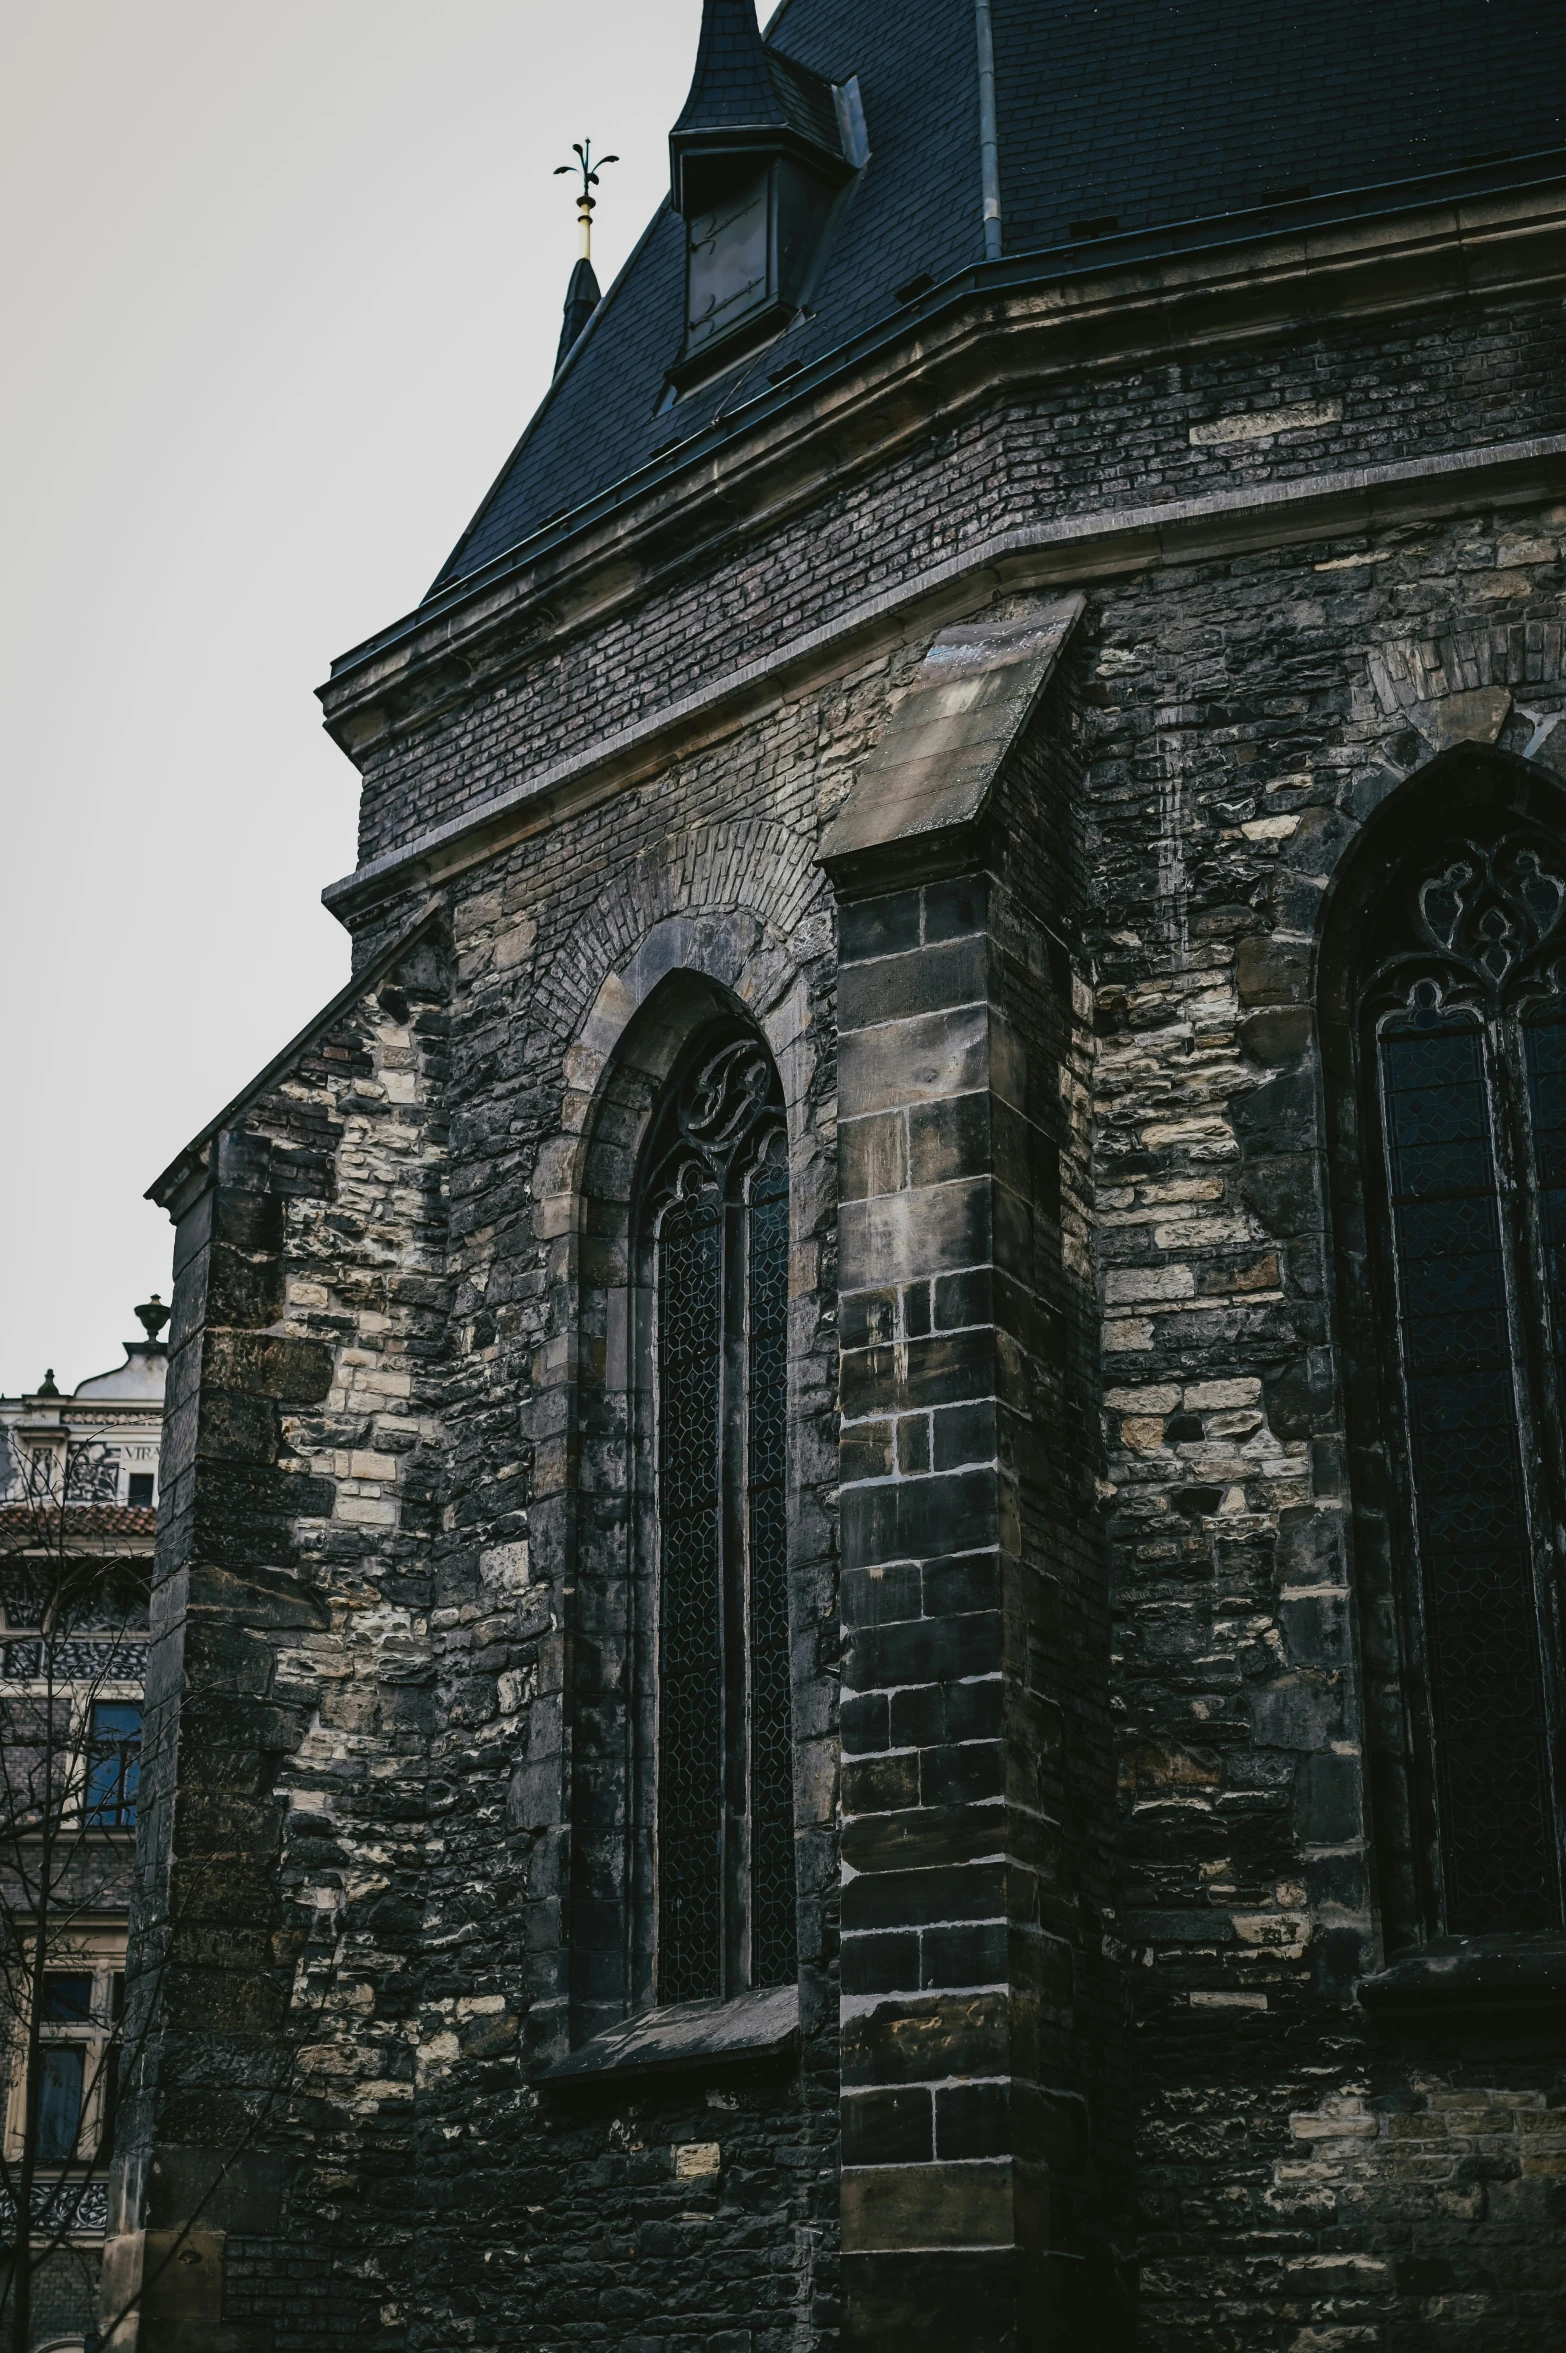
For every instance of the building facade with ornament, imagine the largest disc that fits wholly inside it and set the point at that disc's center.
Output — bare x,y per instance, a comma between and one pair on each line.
78,1508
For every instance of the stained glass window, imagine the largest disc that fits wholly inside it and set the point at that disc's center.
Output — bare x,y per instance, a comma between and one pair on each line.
715,1194
1466,1034
690,1662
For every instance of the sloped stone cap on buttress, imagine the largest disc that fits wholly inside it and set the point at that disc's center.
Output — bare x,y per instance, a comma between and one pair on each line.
929,779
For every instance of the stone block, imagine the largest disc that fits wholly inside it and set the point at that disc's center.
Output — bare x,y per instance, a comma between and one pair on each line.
927,979
878,927
891,2127
937,1897
903,1236
918,2206
921,1060
873,1156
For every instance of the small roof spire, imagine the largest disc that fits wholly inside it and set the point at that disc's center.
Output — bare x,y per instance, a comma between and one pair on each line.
748,99
582,299
731,87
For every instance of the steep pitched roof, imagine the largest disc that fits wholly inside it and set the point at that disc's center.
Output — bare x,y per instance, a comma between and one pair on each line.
1117,118
1153,111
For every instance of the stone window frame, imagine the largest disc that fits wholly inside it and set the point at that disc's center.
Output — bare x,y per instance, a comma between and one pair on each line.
690,971
1478,787
97,1953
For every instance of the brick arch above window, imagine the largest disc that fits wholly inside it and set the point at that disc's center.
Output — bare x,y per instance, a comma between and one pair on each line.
733,950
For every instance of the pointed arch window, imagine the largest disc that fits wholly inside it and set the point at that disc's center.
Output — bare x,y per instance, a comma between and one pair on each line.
713,1202
1460,1023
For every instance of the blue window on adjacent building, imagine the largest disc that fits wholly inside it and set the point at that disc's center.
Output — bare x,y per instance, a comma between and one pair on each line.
61,2084
114,1764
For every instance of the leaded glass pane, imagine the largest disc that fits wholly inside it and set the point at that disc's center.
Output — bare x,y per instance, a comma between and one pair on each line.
1470,1501
1544,1049
716,1181
773,1940
61,2076
690,1695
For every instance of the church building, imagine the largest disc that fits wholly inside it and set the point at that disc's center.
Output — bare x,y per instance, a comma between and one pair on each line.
859,1637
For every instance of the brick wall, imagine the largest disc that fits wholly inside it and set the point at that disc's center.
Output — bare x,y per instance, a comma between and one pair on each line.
1088,444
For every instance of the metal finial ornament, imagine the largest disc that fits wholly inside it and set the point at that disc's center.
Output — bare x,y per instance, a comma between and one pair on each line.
582,149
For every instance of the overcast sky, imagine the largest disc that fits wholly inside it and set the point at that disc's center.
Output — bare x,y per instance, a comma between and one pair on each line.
282,282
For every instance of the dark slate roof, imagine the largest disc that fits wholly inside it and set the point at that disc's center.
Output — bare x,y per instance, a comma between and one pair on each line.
1169,110
731,83
740,81
1138,114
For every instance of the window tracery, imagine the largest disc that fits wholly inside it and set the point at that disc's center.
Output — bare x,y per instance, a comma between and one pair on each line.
714,1200
1461,1020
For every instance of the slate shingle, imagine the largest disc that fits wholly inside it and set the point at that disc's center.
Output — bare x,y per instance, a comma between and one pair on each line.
1138,113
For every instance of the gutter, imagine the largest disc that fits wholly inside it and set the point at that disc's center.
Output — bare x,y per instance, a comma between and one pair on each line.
989,137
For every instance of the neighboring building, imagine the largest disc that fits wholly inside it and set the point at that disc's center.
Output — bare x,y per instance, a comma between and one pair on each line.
114,1421
78,1481
858,1628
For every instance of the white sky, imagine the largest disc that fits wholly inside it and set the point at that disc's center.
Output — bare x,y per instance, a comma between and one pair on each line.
281,285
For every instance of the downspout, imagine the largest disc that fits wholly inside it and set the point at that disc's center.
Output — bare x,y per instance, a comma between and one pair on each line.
989,143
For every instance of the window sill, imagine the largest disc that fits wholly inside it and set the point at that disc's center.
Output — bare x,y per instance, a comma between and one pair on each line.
755,2026
1468,1975
693,371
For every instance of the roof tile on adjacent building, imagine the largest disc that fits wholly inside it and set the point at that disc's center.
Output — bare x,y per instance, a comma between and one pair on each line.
84,1522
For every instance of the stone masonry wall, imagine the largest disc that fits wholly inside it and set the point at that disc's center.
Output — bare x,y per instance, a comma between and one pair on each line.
702,2213
269,2132
1304,2182
1236,719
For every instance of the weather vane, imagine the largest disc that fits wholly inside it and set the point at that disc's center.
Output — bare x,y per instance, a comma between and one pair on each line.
583,151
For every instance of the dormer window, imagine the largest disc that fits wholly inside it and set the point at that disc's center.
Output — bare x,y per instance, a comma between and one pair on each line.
729,263
749,256
759,157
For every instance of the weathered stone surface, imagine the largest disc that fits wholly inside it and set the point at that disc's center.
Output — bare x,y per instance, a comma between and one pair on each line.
1091,1714
751,2028
928,780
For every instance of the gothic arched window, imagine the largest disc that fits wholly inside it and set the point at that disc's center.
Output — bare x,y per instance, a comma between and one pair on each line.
713,1203
1459,1024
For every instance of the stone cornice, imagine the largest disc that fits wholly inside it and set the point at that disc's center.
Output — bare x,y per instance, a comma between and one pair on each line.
1062,554
1003,326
